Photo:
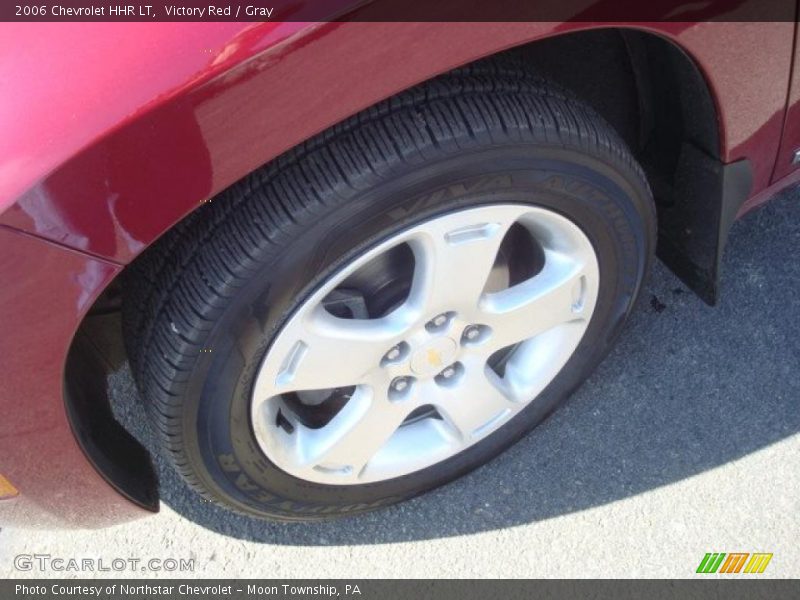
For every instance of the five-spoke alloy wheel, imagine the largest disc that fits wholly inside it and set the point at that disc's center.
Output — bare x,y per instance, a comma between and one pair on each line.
447,366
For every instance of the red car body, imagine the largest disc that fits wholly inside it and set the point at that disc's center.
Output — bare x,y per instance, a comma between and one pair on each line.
112,133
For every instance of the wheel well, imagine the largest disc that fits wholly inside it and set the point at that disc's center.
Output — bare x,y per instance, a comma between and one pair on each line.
646,87
658,100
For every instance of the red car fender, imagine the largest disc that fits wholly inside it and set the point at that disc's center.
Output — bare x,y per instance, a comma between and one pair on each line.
126,128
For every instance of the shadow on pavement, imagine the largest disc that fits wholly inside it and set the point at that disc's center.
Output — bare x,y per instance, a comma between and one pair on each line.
688,388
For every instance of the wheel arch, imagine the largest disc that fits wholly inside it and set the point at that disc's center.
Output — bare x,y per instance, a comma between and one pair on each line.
220,163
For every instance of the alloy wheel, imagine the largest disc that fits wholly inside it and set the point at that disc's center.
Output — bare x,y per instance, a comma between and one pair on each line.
485,308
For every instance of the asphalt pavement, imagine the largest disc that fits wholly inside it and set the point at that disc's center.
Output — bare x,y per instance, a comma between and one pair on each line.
684,441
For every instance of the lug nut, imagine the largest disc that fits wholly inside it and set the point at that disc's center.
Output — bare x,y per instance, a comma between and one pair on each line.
438,322
450,375
393,354
399,384
475,334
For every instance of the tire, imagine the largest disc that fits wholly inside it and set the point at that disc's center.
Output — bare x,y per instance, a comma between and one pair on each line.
208,301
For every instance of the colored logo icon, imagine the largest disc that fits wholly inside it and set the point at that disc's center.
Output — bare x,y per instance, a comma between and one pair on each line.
736,562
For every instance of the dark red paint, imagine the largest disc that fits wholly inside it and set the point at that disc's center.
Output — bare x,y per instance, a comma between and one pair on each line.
113,132
46,289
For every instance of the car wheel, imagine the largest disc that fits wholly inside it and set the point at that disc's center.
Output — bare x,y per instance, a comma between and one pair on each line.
394,302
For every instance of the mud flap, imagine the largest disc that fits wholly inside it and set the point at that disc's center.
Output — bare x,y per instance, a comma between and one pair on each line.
692,231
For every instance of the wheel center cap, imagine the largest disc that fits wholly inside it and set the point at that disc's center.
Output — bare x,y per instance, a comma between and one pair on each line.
433,356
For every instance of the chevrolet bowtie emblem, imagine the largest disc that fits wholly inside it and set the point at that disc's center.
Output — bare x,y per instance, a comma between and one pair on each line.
434,358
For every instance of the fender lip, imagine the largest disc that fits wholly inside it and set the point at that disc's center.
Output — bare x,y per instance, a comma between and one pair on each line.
118,457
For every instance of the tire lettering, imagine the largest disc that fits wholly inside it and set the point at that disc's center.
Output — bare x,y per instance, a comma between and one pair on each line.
244,484
228,463
452,191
